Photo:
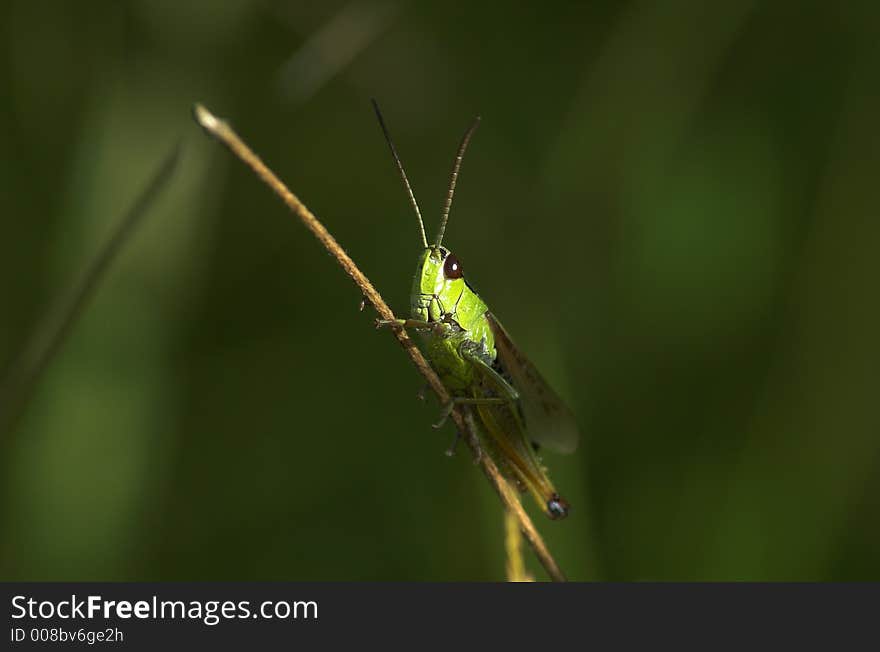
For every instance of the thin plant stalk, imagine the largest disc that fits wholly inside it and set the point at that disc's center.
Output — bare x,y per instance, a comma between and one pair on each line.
516,565
26,369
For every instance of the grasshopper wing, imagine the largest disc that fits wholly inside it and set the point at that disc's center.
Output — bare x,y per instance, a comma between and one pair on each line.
548,421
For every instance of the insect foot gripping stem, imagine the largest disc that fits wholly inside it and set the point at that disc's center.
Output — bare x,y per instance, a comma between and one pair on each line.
557,507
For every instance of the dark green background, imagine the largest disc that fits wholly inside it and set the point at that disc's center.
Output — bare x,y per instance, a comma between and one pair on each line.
671,205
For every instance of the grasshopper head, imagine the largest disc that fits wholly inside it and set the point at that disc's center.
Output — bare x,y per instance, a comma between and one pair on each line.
437,285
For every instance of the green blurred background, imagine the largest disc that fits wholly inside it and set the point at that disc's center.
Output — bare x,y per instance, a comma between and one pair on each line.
671,205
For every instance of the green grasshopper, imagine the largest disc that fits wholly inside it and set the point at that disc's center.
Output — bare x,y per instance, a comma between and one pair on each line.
479,364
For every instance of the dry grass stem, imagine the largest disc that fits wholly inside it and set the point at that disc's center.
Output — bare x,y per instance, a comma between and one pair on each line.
516,565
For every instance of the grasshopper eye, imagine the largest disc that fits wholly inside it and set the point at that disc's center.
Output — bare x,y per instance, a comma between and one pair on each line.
452,267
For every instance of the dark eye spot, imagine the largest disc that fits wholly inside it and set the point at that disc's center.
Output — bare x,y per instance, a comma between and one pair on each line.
557,507
452,268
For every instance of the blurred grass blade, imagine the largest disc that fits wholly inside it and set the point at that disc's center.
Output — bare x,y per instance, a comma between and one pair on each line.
25,369
327,52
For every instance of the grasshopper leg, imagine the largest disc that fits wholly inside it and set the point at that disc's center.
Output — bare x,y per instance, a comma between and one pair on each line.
475,443
450,452
415,324
464,400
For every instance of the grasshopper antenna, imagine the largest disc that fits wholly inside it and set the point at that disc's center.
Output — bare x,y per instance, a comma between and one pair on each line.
412,197
454,177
